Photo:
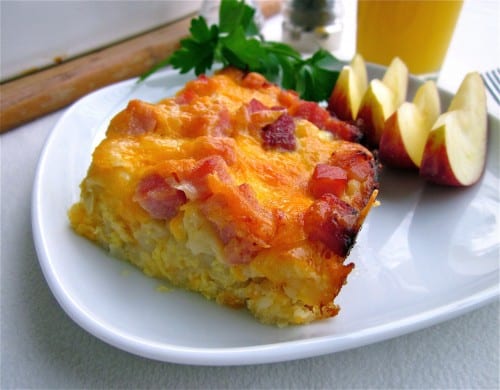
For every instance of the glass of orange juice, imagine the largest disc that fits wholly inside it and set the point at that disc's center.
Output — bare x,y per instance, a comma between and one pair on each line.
417,31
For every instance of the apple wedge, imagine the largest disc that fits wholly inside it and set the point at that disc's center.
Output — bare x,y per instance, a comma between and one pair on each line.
381,100
349,89
427,100
377,105
405,131
455,151
396,78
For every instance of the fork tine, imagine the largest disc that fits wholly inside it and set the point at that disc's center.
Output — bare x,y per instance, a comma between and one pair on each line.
495,79
492,83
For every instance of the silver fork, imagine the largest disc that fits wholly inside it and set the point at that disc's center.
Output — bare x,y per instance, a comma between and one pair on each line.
491,80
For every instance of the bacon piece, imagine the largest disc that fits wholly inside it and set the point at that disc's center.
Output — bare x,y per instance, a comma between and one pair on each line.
280,134
312,112
255,105
327,179
159,198
358,162
344,130
332,222
360,165
320,117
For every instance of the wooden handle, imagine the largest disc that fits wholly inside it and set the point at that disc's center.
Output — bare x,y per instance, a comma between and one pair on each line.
37,94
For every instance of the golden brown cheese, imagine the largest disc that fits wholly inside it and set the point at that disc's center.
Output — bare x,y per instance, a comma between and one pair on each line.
234,188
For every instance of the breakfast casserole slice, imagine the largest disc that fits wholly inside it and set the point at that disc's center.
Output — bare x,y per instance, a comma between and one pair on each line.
236,189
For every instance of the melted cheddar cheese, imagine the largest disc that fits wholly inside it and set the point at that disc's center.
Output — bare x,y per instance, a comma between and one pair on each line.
234,188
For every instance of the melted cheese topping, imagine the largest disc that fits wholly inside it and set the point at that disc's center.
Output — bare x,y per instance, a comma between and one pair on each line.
197,167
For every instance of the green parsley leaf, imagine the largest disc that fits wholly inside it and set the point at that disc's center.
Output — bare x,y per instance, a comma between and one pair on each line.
235,42
235,14
242,52
197,51
321,72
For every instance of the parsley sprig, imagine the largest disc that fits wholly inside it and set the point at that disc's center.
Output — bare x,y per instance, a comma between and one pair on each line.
235,41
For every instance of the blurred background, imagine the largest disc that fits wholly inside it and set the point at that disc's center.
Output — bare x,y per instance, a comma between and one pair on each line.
35,34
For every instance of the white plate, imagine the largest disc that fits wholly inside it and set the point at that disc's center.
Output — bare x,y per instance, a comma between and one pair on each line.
425,255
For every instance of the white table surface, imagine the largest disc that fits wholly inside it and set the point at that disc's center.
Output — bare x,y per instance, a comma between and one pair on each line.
42,348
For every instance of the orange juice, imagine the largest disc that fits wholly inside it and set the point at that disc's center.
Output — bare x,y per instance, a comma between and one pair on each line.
418,31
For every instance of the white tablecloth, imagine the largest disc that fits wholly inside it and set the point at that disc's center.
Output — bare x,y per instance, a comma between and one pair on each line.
42,348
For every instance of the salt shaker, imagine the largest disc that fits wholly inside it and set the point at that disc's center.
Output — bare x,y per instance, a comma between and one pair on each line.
312,24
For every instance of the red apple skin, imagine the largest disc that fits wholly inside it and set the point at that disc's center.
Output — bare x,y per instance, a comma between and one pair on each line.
337,105
435,166
392,151
370,138
375,107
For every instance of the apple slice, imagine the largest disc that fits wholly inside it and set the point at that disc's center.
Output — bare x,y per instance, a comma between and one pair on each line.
405,132
381,100
349,89
359,66
455,151
427,100
377,105
396,78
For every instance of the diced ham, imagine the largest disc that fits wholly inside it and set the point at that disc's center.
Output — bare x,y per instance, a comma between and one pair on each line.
344,130
312,112
255,115
320,117
201,86
332,222
327,179
159,198
185,97
139,118
197,179
360,165
355,160
216,123
255,105
243,226
223,124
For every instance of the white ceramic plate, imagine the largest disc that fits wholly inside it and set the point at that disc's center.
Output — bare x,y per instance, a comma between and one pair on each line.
425,255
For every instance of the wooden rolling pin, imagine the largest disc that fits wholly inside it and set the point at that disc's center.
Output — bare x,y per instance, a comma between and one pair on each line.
40,93
37,94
